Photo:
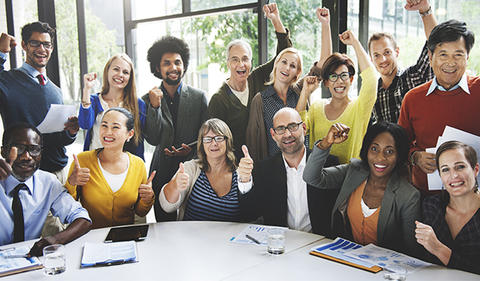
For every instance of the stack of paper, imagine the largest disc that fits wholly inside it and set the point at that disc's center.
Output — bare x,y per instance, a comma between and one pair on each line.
13,261
104,254
450,134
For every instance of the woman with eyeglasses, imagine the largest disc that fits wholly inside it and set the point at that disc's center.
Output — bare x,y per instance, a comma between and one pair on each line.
450,229
207,188
337,75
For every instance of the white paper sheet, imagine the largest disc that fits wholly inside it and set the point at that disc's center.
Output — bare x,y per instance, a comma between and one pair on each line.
100,253
258,232
56,117
386,258
9,263
449,134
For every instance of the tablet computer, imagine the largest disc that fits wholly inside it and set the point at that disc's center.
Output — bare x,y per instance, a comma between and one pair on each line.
127,233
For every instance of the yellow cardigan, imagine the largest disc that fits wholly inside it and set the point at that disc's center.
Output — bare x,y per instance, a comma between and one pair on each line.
356,115
105,207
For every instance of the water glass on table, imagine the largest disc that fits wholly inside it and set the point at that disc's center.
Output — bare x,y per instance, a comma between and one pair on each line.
54,259
276,241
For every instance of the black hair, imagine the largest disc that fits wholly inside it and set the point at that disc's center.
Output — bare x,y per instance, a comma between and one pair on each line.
130,120
450,31
167,44
38,26
333,62
11,130
402,144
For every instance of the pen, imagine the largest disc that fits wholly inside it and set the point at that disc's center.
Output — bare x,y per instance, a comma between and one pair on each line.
190,144
253,239
15,256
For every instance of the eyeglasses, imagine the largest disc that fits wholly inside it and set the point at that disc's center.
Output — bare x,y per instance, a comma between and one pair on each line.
33,150
216,138
236,60
334,77
292,127
36,44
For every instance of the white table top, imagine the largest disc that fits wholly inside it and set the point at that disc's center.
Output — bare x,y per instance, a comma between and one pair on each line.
202,251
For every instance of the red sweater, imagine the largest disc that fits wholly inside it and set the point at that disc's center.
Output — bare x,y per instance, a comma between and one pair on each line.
425,117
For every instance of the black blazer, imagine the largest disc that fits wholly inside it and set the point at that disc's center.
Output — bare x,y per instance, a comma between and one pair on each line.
268,196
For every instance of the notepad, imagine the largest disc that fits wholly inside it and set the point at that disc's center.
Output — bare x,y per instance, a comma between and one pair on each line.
10,263
336,250
106,254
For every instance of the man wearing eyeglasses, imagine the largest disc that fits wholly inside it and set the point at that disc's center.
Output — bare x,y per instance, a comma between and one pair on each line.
280,194
28,194
26,93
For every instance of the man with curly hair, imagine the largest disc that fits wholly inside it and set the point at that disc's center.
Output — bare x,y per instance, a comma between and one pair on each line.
175,113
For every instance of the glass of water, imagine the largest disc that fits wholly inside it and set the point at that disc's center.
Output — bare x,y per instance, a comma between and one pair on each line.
276,241
54,259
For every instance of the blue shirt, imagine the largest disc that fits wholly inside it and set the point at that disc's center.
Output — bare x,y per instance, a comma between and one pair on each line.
43,193
463,83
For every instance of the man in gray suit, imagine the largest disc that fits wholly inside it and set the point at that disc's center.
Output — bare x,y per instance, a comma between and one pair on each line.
175,112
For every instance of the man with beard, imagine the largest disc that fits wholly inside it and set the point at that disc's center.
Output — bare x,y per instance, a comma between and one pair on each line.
26,93
175,113
279,192
28,194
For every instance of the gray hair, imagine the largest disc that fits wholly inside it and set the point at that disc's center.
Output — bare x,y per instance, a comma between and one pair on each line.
239,42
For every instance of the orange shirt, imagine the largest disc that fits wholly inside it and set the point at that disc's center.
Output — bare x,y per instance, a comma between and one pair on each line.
364,229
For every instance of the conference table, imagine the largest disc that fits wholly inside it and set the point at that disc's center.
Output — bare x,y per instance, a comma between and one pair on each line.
203,251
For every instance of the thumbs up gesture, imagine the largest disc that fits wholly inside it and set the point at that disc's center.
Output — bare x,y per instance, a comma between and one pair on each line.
245,166
6,164
145,191
79,176
181,178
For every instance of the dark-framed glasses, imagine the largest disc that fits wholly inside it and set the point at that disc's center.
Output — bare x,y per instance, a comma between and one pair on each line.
33,150
292,127
216,138
334,77
36,44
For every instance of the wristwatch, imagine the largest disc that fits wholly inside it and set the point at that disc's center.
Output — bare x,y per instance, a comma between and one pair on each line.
427,12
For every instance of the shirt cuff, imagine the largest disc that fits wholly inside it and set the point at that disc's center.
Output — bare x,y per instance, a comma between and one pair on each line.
3,56
245,187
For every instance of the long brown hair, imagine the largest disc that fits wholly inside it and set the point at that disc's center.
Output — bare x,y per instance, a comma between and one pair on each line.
130,101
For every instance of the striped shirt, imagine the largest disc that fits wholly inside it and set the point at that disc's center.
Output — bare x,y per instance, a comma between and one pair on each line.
271,104
205,205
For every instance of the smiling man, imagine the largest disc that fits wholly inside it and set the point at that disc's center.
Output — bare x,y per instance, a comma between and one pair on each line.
28,194
452,98
175,113
26,93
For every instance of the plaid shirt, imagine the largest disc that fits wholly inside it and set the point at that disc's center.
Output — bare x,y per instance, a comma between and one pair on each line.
389,101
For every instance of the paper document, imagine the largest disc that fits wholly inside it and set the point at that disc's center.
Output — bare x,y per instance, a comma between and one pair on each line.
386,258
258,232
339,249
11,262
56,117
449,134
98,254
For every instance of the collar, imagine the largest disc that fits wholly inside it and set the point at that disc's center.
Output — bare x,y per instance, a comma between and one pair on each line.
463,83
270,91
302,162
179,89
32,72
11,182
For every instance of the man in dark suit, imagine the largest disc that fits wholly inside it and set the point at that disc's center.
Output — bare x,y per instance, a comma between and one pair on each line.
279,193
175,113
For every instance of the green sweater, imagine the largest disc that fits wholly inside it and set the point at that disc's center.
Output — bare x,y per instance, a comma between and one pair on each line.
227,107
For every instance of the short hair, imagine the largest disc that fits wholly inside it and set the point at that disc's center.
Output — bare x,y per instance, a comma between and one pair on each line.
333,62
468,151
290,110
379,35
11,130
402,145
167,44
130,100
38,26
277,59
239,42
218,127
450,31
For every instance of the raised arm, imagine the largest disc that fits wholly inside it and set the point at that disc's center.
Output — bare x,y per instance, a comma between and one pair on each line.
323,15
272,13
425,10
348,38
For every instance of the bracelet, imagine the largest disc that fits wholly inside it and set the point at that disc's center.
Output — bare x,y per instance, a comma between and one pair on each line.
427,12
412,158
